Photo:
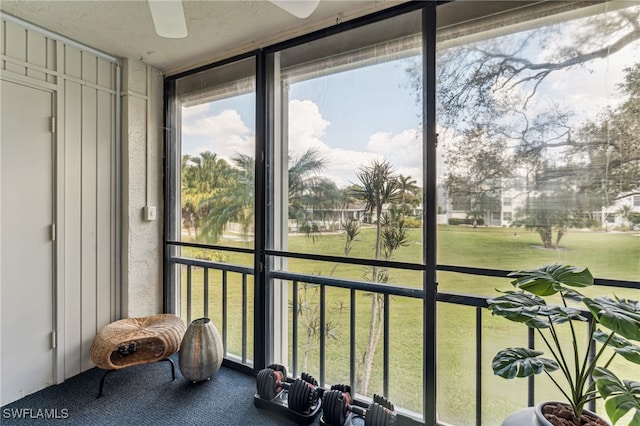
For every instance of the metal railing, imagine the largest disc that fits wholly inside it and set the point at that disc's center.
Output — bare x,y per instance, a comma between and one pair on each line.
225,270
353,286
478,303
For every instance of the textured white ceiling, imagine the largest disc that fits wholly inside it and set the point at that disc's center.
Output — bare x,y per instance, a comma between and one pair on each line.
217,29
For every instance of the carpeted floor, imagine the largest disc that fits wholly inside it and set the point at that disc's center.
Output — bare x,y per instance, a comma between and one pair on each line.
144,395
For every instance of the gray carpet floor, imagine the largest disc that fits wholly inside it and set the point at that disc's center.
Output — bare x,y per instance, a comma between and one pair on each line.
144,395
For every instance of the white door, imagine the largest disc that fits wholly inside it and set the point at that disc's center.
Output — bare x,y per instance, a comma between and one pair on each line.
26,251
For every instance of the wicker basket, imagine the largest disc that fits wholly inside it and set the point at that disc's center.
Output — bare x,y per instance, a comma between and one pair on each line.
134,341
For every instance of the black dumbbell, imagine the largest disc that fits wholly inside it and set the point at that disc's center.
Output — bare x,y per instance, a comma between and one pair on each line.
336,407
303,392
271,381
380,413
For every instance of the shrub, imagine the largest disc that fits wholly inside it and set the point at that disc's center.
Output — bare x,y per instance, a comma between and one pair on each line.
465,221
412,222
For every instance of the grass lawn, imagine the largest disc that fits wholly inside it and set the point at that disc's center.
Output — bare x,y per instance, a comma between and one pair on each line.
607,255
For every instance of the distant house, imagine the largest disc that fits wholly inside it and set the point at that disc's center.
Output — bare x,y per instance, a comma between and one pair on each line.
611,215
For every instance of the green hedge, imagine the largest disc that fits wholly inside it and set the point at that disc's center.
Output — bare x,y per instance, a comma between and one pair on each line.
465,221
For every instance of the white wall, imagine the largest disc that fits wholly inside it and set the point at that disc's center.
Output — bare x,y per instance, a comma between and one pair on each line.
108,263
142,149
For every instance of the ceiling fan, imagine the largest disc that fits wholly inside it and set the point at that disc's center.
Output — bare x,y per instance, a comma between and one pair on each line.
168,15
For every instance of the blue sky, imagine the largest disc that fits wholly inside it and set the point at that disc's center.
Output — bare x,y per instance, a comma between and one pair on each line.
355,116
350,117
360,102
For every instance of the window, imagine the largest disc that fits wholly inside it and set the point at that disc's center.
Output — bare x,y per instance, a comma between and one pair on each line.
283,238
348,181
215,190
527,135
350,121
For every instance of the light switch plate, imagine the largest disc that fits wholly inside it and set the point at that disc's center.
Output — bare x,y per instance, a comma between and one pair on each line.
149,213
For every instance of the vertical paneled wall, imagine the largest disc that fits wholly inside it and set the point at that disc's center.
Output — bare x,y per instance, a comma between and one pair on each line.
84,87
89,195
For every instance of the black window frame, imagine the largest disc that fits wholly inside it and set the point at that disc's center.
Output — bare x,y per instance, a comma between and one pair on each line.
262,293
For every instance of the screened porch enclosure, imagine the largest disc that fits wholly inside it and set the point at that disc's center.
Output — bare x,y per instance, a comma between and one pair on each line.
345,203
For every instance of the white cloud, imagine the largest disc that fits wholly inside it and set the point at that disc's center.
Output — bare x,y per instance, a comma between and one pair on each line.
401,150
344,163
227,122
225,133
189,113
306,126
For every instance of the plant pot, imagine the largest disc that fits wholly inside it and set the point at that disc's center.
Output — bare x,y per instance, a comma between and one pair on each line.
533,416
201,351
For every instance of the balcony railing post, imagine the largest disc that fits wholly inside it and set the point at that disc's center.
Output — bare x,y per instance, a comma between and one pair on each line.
294,319
188,294
352,342
224,310
479,366
206,292
323,325
385,343
592,354
244,318
531,397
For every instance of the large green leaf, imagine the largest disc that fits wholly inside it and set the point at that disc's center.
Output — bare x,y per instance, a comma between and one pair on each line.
530,309
619,344
573,295
619,315
630,353
550,279
620,396
516,306
520,362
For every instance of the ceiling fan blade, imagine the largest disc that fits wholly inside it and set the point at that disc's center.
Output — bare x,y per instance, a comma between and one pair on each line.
168,18
298,8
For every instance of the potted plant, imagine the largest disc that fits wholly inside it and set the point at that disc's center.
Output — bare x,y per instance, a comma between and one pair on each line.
615,323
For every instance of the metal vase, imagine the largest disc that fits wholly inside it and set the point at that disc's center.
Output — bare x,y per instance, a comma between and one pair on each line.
201,351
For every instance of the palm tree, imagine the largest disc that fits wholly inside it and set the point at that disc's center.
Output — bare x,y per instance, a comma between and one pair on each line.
321,198
233,200
408,188
378,187
233,203
202,177
624,211
301,172
302,167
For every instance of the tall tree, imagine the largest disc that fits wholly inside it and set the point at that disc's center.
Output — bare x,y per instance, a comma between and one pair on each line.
302,171
234,203
378,186
233,200
610,147
476,169
491,107
202,177
321,199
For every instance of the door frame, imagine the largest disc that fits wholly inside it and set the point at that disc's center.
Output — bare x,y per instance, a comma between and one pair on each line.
57,293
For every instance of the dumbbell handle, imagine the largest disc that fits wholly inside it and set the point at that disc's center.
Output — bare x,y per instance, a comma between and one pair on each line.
352,408
356,409
363,411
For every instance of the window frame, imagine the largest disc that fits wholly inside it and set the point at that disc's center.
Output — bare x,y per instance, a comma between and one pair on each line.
264,328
